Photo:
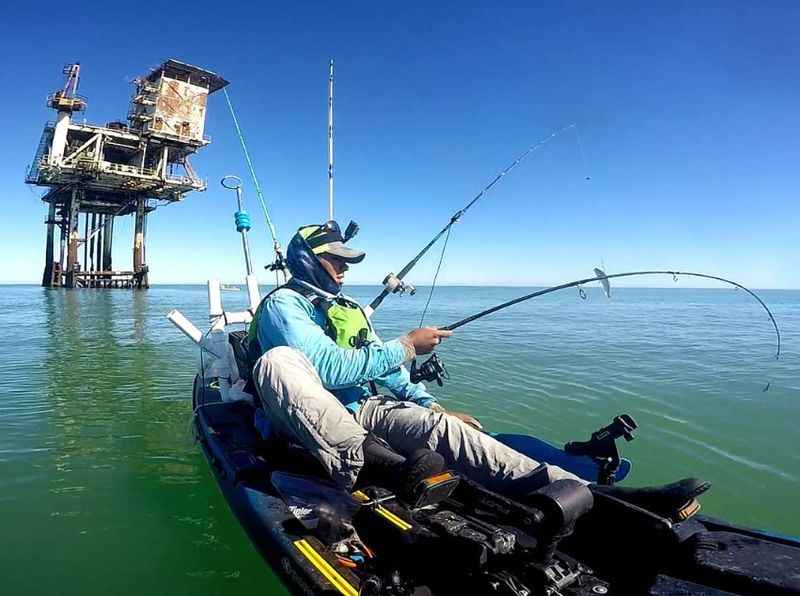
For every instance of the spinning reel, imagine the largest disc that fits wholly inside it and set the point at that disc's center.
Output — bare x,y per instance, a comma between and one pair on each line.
395,285
432,369
279,264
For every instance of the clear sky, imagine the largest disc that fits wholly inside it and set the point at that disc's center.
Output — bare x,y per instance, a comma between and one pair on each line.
689,113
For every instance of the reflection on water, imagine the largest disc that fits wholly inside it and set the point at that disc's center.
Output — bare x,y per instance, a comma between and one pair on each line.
107,492
104,491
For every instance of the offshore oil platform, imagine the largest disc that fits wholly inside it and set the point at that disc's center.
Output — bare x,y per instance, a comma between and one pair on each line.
98,173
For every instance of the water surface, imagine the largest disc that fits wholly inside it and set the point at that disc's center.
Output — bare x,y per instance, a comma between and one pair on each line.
103,490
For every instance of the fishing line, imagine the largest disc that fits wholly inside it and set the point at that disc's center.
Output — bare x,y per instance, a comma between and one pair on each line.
582,152
433,368
603,278
394,283
279,262
435,277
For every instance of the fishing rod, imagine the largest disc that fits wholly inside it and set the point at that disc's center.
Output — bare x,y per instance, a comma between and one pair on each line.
433,369
394,284
279,264
330,140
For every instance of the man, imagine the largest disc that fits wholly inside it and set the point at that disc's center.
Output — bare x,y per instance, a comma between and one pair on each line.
320,354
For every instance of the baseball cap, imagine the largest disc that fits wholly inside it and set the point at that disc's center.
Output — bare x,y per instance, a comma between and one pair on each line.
328,239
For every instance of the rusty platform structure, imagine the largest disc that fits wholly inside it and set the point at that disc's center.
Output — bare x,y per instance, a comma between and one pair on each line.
95,174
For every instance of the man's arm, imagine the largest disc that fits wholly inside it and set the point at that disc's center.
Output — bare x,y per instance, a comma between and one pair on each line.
288,319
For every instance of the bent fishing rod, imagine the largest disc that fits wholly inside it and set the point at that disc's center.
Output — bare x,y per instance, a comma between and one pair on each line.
394,284
433,369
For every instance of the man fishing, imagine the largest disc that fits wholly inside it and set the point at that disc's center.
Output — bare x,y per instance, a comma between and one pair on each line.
318,376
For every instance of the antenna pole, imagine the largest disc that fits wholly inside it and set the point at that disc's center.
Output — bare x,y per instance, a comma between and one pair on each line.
330,141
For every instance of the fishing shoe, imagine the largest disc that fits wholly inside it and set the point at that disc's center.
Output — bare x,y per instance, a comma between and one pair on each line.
385,467
676,501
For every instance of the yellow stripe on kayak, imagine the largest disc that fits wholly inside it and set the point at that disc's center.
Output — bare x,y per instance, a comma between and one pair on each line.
321,565
361,497
397,521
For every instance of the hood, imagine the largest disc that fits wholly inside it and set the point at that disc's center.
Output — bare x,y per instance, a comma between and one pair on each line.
304,265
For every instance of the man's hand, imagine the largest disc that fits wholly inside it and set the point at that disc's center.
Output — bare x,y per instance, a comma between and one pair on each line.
471,420
425,339
466,418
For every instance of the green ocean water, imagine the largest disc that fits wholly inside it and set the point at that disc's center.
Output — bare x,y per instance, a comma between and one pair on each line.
104,491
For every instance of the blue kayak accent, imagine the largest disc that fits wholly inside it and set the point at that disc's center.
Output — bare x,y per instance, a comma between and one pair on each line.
542,451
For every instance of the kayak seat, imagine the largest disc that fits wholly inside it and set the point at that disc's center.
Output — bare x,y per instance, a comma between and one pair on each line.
231,441
239,452
245,355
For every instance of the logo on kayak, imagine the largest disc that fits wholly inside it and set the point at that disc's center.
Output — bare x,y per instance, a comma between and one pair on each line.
304,514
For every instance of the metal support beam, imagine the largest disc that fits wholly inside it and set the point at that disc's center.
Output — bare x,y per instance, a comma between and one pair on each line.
108,234
86,233
64,231
72,240
47,276
90,240
139,267
98,260
93,140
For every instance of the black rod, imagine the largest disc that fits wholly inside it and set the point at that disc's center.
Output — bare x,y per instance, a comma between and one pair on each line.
580,282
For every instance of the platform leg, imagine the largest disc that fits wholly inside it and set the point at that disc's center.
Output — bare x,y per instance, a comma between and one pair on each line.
140,276
49,249
72,240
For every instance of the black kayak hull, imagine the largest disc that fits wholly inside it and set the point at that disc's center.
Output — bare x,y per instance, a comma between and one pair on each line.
227,443
629,558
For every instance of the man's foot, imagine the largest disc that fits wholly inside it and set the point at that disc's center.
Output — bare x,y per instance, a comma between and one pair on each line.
676,501
387,468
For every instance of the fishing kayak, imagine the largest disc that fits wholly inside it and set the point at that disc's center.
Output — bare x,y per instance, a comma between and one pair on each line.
463,538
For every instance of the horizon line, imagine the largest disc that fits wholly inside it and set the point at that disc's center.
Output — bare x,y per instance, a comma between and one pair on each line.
451,285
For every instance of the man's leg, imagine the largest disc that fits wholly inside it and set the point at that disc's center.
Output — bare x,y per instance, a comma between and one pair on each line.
476,455
299,406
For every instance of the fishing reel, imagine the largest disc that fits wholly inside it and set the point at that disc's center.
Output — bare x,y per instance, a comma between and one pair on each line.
279,264
432,369
395,285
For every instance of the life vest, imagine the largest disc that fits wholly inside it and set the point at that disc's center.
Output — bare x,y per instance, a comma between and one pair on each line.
346,322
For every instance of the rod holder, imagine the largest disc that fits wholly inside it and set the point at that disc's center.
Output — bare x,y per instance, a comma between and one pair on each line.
181,322
214,299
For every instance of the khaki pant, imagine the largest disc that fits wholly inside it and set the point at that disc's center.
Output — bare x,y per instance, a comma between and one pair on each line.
300,407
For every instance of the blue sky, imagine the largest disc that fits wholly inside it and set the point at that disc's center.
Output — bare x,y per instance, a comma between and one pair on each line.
689,115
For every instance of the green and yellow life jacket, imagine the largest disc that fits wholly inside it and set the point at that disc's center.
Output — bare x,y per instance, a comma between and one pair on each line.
347,324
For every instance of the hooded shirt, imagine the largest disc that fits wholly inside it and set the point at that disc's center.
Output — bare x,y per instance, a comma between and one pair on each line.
305,266
288,318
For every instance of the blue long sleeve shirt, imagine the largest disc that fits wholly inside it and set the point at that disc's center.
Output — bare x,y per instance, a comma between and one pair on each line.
289,319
